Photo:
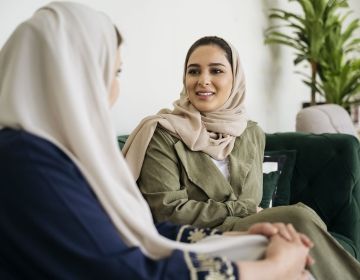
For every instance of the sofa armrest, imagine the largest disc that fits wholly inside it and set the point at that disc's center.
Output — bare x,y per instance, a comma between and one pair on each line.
326,177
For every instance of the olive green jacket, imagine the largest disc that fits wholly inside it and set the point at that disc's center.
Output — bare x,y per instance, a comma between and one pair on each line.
186,187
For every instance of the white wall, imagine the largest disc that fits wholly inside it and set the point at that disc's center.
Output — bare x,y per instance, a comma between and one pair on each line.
157,35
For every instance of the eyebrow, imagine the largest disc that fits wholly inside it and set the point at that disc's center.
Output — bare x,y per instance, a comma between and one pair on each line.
211,64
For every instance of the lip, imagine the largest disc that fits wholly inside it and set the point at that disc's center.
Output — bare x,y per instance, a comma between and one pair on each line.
204,93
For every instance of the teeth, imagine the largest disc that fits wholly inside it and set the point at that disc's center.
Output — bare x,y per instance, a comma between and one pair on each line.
204,93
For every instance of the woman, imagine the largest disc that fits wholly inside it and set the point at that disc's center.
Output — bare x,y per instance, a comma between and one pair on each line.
201,164
69,206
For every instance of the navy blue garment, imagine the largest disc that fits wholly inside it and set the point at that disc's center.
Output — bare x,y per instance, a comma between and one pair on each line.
53,227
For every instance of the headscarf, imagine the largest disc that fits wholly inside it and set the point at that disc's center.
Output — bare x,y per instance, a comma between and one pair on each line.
213,133
55,74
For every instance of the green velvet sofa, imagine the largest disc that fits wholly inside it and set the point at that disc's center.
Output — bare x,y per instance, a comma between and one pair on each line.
326,177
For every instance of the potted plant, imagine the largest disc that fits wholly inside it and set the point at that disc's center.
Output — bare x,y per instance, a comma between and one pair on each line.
339,72
319,38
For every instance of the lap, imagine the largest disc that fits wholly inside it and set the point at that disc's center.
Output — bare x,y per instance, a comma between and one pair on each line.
298,214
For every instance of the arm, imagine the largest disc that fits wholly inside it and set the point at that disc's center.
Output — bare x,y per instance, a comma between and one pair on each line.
246,161
255,178
163,184
186,233
53,226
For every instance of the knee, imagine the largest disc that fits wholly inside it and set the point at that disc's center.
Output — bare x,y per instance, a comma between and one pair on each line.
302,216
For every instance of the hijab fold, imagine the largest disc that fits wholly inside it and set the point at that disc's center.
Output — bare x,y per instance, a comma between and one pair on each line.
55,74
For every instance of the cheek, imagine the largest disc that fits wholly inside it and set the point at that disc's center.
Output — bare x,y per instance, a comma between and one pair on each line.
226,85
114,91
190,83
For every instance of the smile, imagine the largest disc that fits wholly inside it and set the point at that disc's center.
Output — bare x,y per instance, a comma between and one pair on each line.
204,93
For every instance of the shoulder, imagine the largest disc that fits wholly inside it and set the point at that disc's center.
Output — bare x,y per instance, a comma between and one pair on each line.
254,128
26,153
163,136
21,145
253,131
253,135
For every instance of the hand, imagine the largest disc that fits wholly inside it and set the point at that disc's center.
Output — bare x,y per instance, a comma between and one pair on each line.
269,229
290,256
305,275
285,258
282,230
258,209
266,229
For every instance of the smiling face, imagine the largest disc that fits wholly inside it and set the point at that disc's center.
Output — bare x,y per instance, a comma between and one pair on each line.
208,78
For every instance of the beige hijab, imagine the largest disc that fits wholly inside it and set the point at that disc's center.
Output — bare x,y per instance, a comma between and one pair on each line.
55,73
213,133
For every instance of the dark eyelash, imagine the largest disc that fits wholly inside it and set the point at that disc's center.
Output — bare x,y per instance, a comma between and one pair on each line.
193,71
216,70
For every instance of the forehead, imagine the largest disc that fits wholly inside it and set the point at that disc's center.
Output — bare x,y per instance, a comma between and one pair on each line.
208,54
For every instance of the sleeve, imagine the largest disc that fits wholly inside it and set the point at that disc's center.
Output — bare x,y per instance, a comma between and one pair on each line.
253,185
200,266
255,177
52,226
167,196
186,233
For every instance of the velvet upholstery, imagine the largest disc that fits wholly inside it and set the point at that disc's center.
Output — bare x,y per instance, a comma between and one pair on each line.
326,177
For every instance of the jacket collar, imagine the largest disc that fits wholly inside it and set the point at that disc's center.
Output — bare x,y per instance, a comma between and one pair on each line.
199,166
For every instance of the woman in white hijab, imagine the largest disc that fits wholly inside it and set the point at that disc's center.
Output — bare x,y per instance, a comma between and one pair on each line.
69,205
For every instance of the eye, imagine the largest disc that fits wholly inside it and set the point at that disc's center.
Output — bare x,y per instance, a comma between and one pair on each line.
216,71
193,71
118,72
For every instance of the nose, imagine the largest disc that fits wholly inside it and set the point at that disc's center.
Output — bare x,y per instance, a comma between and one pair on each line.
204,80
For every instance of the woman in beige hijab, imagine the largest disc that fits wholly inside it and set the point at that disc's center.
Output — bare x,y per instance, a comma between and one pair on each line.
69,206
201,163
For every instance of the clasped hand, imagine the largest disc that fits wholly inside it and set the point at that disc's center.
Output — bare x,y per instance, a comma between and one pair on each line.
287,252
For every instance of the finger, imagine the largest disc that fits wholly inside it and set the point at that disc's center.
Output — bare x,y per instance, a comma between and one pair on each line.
266,229
306,240
305,275
283,231
309,260
294,234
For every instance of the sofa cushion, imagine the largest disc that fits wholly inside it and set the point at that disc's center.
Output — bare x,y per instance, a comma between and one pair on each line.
276,183
270,182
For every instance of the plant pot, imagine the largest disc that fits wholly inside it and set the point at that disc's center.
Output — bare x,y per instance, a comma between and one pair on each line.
308,104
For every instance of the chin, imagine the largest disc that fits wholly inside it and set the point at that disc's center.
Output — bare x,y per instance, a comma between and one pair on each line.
203,109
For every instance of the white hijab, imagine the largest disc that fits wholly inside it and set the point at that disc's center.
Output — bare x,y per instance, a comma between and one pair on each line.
55,73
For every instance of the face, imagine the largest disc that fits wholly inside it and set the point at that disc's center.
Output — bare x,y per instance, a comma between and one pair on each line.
208,79
114,89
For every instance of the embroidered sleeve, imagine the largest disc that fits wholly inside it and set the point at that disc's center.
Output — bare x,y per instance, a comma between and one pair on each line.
210,268
189,234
